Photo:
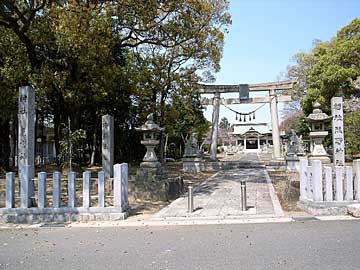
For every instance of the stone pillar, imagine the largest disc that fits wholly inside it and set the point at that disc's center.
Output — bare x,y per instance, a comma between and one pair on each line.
275,124
303,179
258,142
244,143
26,131
215,126
328,184
338,131
108,145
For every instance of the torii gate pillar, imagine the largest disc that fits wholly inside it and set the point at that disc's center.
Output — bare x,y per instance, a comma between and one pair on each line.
275,124
215,126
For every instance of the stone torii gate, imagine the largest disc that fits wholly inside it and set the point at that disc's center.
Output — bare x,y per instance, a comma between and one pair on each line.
243,90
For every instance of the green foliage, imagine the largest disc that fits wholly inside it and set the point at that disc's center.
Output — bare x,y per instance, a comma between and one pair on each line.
78,137
123,57
352,133
330,69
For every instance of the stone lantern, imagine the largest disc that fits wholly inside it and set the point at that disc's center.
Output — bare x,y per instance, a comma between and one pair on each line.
150,132
318,121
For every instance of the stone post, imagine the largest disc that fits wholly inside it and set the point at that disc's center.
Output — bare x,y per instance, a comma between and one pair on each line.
356,165
349,190
56,189
42,189
71,189
26,133
303,179
275,124
309,182
120,186
328,184
86,189
108,145
101,189
10,190
339,177
317,181
124,185
338,131
215,126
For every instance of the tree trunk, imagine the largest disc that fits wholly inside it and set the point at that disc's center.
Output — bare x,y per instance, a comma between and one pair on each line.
56,135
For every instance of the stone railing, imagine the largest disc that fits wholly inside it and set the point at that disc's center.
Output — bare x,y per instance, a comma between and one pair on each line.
71,206
320,184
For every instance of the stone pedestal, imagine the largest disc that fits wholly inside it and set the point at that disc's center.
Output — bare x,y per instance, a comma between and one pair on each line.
292,163
193,164
318,152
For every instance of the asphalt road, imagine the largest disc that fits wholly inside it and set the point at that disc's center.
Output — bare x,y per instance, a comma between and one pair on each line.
299,245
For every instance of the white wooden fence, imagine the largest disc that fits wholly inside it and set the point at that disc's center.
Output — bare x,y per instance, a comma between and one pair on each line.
338,184
65,209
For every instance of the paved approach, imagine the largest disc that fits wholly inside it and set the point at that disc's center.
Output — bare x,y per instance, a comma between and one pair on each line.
219,197
296,246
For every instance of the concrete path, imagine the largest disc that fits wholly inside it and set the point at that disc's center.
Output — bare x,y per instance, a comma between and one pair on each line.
219,198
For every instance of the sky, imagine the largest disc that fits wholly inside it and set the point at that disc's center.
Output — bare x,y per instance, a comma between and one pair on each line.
264,36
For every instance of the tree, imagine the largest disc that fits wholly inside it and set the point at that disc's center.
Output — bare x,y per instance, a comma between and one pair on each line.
224,123
116,57
352,133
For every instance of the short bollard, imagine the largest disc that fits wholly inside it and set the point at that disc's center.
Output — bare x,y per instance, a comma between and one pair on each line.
243,195
190,198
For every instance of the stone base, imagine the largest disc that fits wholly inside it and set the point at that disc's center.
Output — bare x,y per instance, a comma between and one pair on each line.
325,160
61,215
157,189
149,174
193,164
326,208
292,163
354,210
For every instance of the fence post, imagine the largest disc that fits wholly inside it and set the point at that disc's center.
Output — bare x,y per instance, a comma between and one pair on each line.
86,189
349,192
71,189
10,190
101,189
303,179
42,189
124,186
328,184
56,189
117,185
339,176
356,165
317,181
24,186
309,182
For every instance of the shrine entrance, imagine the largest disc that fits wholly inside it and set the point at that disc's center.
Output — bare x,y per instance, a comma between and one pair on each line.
243,90
252,143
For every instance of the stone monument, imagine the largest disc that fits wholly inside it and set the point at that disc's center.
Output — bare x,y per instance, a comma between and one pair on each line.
318,120
26,131
338,131
108,145
192,160
26,117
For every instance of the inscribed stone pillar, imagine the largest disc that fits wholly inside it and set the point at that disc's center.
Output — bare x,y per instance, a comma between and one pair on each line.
338,131
26,118
108,145
275,124
215,126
